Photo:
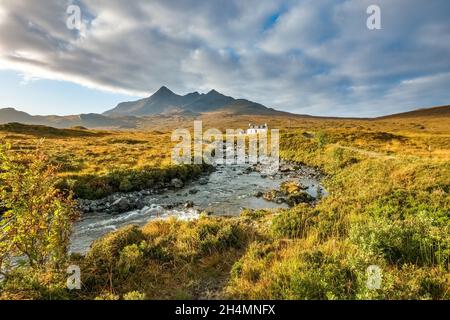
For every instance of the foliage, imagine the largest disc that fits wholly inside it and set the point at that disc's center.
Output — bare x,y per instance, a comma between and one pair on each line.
417,240
294,223
123,260
387,204
36,217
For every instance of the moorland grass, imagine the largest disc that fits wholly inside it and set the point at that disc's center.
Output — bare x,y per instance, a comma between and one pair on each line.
388,205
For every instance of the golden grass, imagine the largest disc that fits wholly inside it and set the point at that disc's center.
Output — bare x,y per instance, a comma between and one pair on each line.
388,181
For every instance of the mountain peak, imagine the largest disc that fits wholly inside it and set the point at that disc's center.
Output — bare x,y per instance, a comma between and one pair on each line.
214,91
163,91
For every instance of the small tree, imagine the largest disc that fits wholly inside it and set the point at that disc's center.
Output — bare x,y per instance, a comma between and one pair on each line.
35,217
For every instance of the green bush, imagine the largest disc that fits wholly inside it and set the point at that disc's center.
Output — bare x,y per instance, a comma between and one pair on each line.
35,217
105,251
254,214
134,295
131,258
253,263
294,223
316,277
416,240
400,204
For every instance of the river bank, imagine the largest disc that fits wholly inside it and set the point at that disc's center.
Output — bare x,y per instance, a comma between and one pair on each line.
227,190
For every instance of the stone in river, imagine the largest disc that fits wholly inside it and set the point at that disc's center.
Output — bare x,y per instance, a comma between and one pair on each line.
177,183
189,204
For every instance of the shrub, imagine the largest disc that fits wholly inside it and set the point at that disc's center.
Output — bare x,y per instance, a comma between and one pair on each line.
253,263
415,240
108,296
209,235
25,283
316,276
322,139
294,223
400,204
295,274
108,249
131,258
254,214
134,295
36,219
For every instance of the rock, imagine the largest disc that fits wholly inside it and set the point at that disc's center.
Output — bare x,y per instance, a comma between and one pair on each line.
193,191
189,204
258,194
121,205
291,186
203,181
271,195
176,183
248,170
299,197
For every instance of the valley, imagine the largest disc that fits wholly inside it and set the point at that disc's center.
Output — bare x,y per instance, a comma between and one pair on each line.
386,203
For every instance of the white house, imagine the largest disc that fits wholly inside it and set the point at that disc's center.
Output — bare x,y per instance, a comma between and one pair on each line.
255,129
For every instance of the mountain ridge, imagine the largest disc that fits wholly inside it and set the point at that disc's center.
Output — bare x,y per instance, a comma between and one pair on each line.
166,104
164,101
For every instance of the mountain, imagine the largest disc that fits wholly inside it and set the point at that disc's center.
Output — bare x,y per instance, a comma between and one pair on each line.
12,115
164,101
435,112
165,105
91,120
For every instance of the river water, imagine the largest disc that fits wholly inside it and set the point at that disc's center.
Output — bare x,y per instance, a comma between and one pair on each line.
227,191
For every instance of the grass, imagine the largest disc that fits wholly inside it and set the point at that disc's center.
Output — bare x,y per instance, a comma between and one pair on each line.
94,164
388,204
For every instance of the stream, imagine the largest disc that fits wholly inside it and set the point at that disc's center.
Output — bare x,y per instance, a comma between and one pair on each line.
226,191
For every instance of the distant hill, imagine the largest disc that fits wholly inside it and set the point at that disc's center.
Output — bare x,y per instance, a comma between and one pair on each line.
45,131
164,101
443,111
91,120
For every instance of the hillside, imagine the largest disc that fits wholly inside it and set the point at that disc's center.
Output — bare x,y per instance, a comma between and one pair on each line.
442,111
91,120
45,131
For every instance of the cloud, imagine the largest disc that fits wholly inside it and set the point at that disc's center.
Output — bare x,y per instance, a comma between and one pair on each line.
303,56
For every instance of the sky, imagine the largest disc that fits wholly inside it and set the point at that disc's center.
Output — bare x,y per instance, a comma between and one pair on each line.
307,56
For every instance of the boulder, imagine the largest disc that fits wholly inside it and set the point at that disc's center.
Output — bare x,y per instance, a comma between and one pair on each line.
258,194
176,183
189,204
121,205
